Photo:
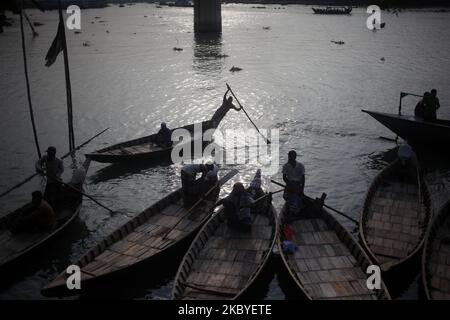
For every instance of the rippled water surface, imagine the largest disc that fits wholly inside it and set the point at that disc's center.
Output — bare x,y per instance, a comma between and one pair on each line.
127,77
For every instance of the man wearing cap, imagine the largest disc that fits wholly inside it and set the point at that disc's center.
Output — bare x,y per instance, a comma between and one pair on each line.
53,168
164,136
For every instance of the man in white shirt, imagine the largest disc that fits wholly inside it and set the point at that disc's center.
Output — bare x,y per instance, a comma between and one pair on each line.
294,177
53,168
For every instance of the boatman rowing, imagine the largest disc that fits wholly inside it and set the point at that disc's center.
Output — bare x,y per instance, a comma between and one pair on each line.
227,104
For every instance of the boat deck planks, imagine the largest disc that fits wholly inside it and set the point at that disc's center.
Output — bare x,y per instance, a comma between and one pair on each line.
436,257
223,262
147,236
328,263
395,216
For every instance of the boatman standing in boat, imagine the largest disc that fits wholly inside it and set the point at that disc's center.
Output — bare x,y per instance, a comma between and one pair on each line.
294,177
164,136
227,104
53,168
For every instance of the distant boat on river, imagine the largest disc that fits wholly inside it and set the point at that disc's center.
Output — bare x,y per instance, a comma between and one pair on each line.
332,10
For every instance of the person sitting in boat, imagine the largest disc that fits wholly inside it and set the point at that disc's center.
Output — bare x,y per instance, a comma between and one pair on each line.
256,192
419,111
164,137
52,168
227,104
36,217
432,106
294,177
190,183
237,207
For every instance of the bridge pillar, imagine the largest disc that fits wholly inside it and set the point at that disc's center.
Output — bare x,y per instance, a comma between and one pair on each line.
207,16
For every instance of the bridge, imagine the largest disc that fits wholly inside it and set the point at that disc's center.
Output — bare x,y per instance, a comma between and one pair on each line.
207,16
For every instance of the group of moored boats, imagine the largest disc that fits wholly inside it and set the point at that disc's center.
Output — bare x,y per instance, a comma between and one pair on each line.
397,229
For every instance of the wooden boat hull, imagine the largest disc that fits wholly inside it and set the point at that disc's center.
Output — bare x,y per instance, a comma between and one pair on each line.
31,244
436,257
329,263
414,130
141,149
232,268
393,222
161,229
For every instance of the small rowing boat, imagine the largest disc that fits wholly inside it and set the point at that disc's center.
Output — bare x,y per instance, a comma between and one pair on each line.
328,264
333,10
15,247
223,263
436,257
395,216
146,148
163,228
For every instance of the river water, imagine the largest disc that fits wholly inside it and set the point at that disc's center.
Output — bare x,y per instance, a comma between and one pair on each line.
126,76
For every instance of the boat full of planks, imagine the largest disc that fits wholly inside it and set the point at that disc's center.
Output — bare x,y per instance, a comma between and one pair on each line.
158,231
146,148
436,257
328,264
224,263
16,247
395,216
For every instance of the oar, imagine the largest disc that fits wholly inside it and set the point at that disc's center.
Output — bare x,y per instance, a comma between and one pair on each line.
326,206
76,190
261,198
222,181
229,88
64,156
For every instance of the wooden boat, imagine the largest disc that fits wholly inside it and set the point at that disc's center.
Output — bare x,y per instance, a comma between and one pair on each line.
436,257
415,130
182,4
145,148
329,263
395,216
333,10
161,229
223,263
16,247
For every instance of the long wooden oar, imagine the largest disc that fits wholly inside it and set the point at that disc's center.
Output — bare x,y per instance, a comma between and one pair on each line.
222,181
76,190
64,156
326,206
229,88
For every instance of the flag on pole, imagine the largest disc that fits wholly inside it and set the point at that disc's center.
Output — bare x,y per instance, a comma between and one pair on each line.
56,47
